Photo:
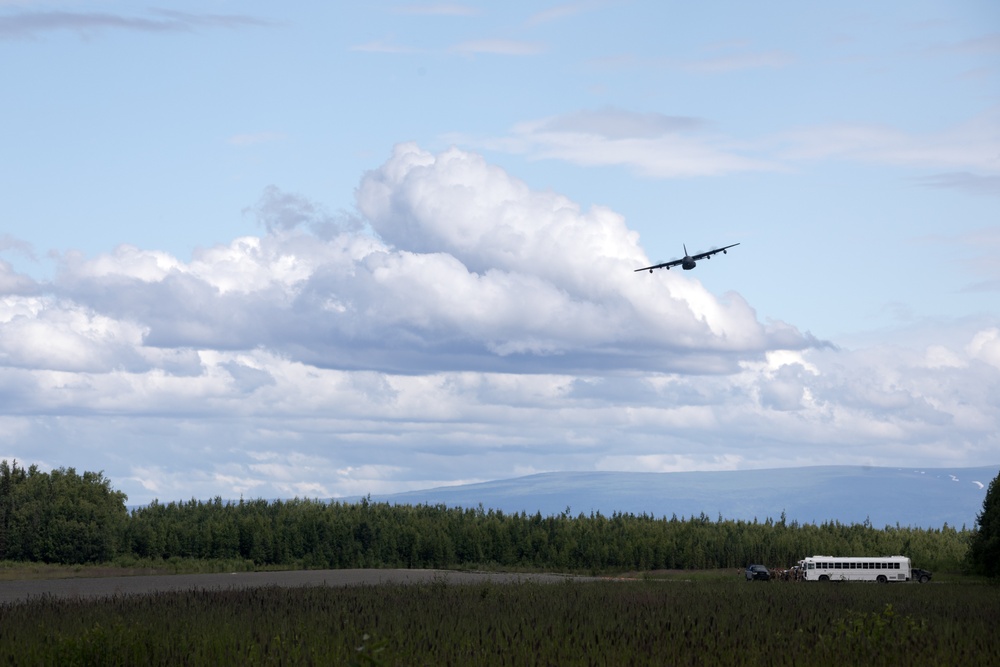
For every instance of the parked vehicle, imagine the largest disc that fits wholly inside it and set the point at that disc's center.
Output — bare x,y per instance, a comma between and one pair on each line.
881,569
757,573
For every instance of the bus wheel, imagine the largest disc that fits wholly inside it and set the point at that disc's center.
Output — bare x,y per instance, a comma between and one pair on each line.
823,577
881,579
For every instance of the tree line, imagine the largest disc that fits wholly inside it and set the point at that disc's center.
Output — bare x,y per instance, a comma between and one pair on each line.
63,517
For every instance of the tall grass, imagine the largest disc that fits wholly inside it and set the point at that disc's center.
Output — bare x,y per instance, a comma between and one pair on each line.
573,623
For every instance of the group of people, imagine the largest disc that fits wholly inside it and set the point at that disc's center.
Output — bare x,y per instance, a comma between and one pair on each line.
793,573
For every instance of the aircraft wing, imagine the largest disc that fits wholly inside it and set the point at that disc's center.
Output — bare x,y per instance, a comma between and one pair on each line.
665,265
705,255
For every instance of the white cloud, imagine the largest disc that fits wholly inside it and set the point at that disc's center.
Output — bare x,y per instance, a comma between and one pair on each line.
487,330
985,346
715,59
44,333
972,145
503,47
12,282
965,181
939,356
662,146
30,24
560,12
613,123
653,145
466,243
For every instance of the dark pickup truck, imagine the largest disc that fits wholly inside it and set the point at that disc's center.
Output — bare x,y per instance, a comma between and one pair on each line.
916,574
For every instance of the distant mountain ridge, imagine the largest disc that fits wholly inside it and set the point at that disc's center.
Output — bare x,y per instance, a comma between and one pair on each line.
907,496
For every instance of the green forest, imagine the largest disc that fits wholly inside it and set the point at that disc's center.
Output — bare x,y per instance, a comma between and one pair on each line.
68,518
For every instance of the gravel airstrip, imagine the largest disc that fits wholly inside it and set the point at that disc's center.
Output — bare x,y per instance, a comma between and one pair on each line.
93,587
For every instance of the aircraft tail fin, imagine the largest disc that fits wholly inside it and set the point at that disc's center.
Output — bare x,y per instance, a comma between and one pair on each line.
685,249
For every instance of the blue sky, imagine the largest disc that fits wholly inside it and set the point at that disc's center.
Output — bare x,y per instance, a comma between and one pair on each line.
337,248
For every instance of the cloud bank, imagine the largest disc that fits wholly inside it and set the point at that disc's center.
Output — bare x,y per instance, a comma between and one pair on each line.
664,147
459,327
32,24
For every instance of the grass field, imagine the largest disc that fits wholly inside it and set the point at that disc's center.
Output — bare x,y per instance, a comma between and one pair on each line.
657,619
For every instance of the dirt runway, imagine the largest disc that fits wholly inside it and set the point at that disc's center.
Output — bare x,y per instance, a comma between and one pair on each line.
16,591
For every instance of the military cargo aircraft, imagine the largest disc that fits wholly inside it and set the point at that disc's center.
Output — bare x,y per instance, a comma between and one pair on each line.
688,261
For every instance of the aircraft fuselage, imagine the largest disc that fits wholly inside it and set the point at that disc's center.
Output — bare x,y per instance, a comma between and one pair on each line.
687,264
689,261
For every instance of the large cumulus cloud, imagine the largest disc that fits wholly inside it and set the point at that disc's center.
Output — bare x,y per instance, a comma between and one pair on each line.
458,326
468,269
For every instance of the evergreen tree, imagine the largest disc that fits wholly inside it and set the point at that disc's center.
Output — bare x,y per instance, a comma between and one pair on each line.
984,546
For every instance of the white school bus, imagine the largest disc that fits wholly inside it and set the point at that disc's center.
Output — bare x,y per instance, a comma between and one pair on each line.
880,569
